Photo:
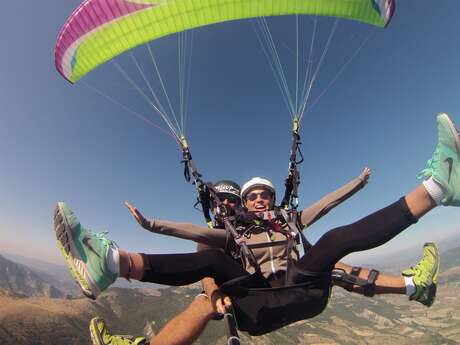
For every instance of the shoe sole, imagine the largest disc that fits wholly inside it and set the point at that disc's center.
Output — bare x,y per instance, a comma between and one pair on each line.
76,265
454,130
96,337
434,276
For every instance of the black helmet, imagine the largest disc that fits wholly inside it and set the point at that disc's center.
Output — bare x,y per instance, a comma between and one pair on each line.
227,187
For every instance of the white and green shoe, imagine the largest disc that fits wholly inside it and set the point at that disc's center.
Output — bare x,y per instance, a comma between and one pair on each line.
444,166
425,275
85,252
101,336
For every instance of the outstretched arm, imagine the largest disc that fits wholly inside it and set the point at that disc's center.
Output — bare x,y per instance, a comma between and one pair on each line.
314,212
200,234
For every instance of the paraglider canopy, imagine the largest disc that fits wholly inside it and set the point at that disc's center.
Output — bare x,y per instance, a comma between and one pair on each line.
99,30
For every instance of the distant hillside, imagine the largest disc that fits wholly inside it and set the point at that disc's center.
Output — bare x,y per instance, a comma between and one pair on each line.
56,274
450,259
398,261
452,275
59,276
349,319
44,321
19,279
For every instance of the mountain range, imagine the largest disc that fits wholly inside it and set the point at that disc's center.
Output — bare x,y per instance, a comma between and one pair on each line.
34,312
21,280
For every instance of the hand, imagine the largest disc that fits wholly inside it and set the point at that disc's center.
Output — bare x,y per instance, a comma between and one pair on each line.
365,175
220,302
138,216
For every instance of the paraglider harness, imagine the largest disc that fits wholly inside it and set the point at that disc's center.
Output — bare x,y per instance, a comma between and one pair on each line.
260,305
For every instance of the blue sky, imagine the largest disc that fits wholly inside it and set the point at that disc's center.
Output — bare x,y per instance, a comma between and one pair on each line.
62,142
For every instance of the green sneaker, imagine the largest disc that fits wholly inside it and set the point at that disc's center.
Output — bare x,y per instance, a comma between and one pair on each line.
84,252
101,336
444,166
425,275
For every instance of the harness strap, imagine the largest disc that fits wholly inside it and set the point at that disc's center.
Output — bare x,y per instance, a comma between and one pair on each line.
311,289
267,244
186,170
240,241
293,180
294,234
352,278
191,171
293,218
369,288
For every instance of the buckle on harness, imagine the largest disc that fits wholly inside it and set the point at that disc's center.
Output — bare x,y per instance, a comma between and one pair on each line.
351,279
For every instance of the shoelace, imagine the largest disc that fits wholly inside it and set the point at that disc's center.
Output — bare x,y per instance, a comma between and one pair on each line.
420,271
102,236
430,166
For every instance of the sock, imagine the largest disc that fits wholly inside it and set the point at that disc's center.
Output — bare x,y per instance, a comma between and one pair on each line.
434,189
113,260
410,286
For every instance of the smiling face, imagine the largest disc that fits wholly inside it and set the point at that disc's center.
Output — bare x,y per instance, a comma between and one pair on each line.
259,200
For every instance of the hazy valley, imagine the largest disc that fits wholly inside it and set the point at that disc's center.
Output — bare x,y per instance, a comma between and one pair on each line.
33,311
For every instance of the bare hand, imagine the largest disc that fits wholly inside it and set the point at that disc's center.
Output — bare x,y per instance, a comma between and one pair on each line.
138,216
365,175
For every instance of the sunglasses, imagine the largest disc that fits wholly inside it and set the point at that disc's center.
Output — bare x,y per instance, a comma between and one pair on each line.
263,195
232,199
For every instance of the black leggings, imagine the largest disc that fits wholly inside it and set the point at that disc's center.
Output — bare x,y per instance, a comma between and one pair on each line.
367,233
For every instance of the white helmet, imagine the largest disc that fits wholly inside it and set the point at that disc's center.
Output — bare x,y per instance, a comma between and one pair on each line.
257,182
